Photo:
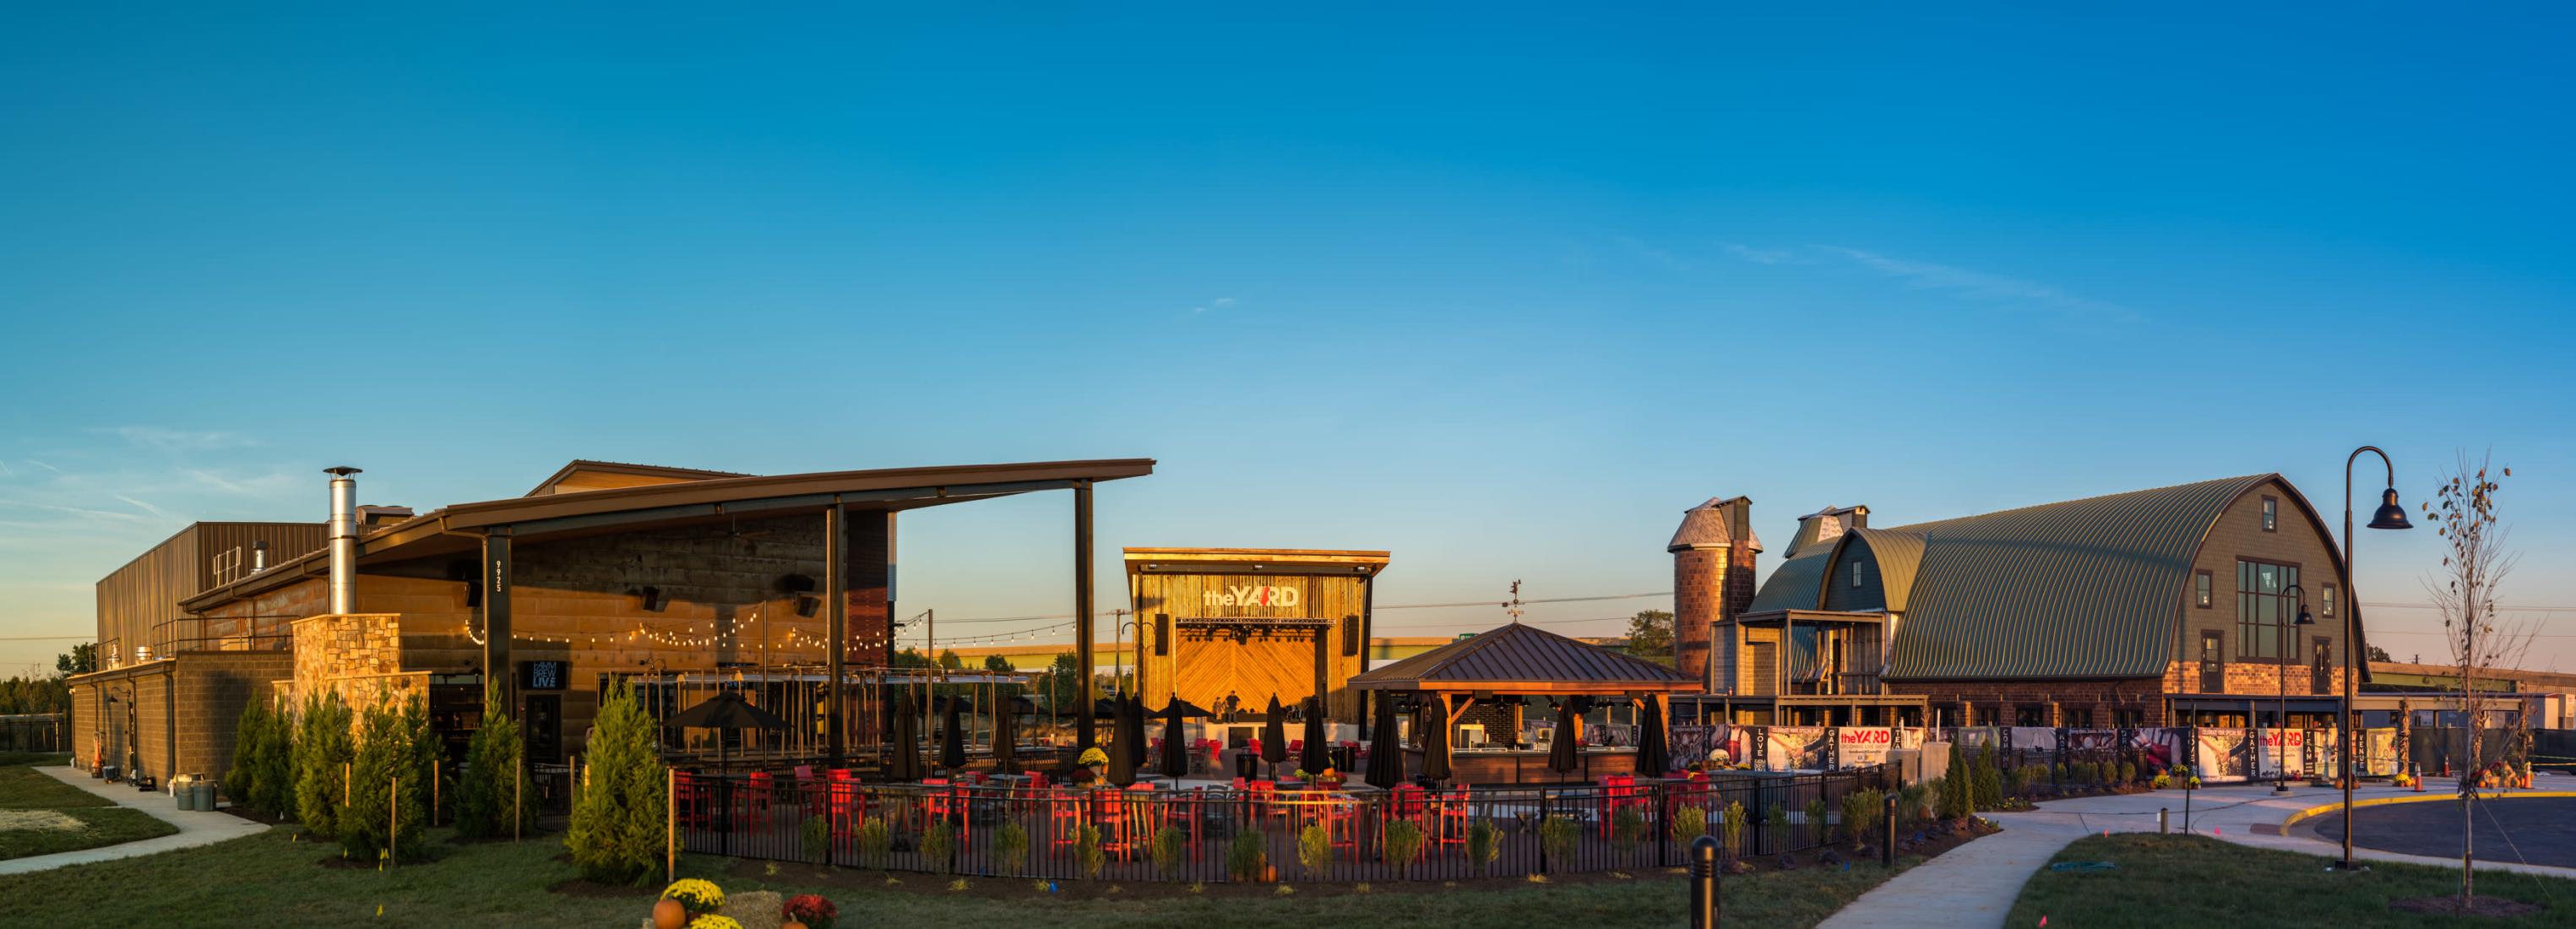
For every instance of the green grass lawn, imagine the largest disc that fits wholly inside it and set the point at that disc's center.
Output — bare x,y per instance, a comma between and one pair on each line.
2164,881
25,791
271,880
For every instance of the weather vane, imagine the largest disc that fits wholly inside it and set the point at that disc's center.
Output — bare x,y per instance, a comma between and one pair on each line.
1513,606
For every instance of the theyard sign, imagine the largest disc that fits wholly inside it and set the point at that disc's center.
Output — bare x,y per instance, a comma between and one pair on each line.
1252,595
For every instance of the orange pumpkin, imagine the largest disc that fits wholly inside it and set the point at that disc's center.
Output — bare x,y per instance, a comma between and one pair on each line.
1270,873
791,924
669,914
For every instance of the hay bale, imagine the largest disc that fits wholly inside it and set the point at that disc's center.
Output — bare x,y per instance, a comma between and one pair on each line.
757,909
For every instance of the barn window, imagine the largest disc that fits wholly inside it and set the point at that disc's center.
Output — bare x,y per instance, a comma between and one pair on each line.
1856,569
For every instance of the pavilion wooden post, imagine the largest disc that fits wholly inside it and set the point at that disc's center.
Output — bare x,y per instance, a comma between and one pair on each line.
836,625
1084,737
496,621
518,782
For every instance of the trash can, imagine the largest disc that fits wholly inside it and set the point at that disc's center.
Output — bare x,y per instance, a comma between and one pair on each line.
180,789
205,789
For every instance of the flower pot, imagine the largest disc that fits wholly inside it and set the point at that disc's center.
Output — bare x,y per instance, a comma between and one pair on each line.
669,914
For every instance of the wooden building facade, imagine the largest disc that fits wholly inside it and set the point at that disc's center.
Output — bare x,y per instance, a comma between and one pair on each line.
1252,624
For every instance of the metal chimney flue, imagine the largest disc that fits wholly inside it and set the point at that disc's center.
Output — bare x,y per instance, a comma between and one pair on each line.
344,540
258,557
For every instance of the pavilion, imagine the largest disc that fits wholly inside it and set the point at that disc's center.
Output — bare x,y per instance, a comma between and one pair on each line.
1475,688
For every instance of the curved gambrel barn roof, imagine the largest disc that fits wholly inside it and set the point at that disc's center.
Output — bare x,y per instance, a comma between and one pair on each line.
2080,589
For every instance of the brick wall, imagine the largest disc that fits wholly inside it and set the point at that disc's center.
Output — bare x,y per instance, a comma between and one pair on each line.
1710,585
213,689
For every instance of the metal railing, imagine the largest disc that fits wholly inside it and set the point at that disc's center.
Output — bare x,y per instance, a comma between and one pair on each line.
1210,835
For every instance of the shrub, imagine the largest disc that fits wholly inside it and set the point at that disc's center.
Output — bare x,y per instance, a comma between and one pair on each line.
815,912
1730,830
1315,849
1628,825
1988,786
1484,844
1010,847
1087,852
876,842
263,773
938,847
1776,822
1689,823
389,792
815,837
323,749
1861,812
2128,773
1818,830
1246,855
1401,844
495,783
1556,835
1956,801
1913,803
618,821
1171,848
697,896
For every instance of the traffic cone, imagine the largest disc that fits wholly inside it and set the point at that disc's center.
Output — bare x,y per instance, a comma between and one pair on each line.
2419,777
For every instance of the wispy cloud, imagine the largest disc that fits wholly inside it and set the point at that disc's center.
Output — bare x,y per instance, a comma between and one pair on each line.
140,505
42,465
73,510
4,470
1964,283
179,440
270,484
1216,304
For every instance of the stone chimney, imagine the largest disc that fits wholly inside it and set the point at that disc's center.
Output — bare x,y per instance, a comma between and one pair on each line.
1712,576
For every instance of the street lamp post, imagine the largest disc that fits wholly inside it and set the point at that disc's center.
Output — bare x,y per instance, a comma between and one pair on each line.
2390,515
2281,676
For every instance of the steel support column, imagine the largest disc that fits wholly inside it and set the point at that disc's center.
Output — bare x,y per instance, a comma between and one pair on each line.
1082,636
497,678
836,624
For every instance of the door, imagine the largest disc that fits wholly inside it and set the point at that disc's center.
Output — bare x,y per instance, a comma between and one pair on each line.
2321,666
2213,678
545,728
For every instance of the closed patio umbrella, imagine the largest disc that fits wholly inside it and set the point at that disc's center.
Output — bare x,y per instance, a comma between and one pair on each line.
1434,735
1654,757
1386,753
1176,756
904,763
1128,730
1561,757
1006,738
1315,759
952,747
1274,737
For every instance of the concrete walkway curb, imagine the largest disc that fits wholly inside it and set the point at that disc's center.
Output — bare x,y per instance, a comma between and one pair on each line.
1974,885
195,828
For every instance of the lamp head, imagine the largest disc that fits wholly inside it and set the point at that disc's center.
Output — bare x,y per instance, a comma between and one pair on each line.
2390,515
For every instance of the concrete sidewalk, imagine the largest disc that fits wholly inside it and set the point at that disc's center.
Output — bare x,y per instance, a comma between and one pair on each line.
1974,885
195,828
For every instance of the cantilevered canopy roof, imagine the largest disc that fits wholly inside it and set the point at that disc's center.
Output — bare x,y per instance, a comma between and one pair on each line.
459,528
1255,561
1524,660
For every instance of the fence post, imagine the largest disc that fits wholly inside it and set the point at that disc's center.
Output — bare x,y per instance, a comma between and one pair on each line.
1664,825
2163,814
393,823
1703,883
1542,830
518,784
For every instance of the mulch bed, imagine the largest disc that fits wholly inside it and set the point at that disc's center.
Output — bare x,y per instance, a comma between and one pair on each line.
2494,907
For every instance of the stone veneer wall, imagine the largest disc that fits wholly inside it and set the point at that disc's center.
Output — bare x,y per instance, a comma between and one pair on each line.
357,656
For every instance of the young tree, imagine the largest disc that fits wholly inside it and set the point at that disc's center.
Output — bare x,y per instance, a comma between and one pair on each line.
2474,563
1650,636
323,749
617,821
495,780
389,791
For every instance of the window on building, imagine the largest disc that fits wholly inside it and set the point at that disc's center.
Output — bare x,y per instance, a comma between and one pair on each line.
2326,598
2262,608
2030,714
2201,596
2271,514
2128,719
2080,717
1856,566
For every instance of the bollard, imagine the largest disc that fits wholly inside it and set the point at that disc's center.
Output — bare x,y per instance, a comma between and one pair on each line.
1704,883
1887,843
2164,815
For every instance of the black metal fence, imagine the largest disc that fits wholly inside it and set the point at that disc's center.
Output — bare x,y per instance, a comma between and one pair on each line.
1220,835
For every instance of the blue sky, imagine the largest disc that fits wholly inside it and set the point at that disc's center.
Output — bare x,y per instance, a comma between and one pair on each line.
1500,288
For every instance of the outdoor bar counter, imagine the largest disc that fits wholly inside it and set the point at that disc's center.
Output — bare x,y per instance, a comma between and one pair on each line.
1505,767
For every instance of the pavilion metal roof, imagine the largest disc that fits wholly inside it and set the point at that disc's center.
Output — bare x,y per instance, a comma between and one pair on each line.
1518,658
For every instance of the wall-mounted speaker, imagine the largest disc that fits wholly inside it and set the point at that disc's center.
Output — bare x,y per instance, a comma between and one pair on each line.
1350,636
1162,634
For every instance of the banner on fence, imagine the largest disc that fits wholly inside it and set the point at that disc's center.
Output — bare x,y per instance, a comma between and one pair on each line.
2381,760
2030,739
2222,754
2160,749
1798,748
2281,754
1861,746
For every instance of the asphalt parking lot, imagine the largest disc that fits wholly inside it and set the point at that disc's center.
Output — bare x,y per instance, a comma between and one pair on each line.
2538,830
